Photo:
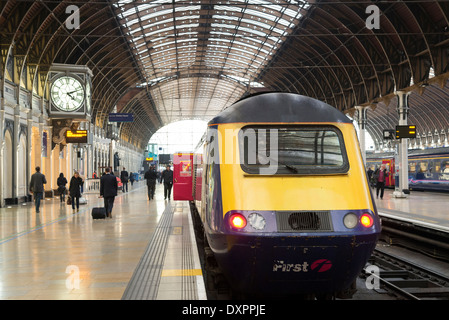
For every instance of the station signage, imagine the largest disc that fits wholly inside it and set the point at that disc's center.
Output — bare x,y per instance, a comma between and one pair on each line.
185,168
121,117
76,136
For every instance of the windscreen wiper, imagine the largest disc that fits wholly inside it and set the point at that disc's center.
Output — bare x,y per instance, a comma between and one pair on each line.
291,168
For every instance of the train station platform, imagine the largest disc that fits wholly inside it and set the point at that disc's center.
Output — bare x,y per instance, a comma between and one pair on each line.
61,254
428,209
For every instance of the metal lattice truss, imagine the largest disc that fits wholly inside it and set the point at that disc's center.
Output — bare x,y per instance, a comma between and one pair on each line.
166,60
199,56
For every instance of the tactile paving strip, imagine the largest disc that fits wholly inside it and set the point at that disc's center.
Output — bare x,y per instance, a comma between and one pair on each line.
145,281
189,291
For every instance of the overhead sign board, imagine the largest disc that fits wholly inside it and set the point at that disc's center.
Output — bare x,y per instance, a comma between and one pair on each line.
403,132
121,117
76,136
165,158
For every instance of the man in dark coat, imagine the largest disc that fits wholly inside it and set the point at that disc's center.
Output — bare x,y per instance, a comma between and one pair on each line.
108,190
167,177
37,187
124,178
151,177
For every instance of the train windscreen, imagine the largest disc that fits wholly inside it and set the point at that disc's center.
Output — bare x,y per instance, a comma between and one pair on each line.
292,150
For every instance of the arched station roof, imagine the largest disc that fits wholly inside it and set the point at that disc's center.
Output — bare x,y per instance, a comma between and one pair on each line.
166,60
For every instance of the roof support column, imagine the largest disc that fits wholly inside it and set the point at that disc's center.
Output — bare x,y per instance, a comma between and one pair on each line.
402,190
362,119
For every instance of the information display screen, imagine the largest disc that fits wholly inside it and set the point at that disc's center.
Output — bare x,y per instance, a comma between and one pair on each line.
77,136
406,132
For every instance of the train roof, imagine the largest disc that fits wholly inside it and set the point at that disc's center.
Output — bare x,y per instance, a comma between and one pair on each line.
279,107
411,153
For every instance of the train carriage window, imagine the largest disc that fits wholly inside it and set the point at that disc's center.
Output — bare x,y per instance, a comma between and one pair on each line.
423,166
293,149
412,167
445,170
437,167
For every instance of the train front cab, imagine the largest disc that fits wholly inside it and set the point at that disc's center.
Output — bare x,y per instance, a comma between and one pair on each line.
253,221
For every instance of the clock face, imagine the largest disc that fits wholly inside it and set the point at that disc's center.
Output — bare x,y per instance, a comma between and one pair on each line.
88,96
67,93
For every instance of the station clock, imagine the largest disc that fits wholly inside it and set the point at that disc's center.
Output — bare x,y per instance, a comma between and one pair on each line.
70,92
67,93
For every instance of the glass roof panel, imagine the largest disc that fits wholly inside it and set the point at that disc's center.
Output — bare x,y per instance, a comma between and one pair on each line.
199,56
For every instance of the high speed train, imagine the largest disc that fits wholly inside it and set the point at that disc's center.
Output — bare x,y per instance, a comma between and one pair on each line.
280,192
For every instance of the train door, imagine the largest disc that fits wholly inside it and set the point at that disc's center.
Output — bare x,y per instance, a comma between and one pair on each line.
182,176
389,164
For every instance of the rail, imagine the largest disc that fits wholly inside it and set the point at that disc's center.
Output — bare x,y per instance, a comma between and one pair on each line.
406,279
431,240
91,186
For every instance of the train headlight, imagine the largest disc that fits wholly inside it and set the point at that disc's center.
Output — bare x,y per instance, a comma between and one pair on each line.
350,220
257,221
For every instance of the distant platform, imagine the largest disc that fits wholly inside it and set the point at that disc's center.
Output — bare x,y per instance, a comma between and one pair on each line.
430,209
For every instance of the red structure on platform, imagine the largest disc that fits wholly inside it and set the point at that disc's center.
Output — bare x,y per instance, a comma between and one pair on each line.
182,176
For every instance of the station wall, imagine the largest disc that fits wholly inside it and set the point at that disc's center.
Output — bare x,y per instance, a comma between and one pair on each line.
26,142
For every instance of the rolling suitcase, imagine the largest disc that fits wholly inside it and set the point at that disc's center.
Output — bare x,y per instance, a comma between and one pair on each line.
99,213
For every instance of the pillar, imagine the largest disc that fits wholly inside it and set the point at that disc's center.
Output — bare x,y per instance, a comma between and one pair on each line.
2,152
362,119
402,191
48,163
112,148
15,145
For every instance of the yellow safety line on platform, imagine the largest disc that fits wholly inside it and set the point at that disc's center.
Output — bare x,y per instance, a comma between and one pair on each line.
181,272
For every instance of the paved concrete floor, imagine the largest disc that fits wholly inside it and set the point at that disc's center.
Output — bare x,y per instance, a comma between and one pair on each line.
430,208
63,254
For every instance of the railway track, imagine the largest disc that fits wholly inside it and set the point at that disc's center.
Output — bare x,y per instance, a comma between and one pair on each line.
405,279
410,234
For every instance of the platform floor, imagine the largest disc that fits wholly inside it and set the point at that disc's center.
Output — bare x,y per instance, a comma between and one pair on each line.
427,208
63,254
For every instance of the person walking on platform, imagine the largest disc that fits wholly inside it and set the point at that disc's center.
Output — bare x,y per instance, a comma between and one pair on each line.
167,177
380,177
61,182
75,190
131,178
124,178
151,177
108,190
370,176
37,187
